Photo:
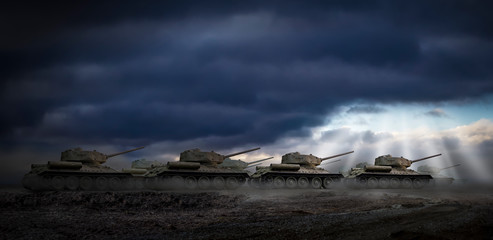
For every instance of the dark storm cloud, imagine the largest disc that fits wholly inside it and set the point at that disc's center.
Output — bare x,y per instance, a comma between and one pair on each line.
438,113
250,72
366,109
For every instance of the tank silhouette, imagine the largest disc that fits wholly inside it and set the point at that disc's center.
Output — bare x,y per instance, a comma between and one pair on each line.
389,172
438,178
79,170
198,169
296,171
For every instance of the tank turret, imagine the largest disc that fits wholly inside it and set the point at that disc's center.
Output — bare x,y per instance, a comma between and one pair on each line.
90,157
306,160
213,158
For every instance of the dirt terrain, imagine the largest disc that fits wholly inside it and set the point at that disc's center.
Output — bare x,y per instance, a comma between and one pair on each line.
452,213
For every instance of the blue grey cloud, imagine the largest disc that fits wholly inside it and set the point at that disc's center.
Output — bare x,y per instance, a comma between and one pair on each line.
365,109
438,113
251,72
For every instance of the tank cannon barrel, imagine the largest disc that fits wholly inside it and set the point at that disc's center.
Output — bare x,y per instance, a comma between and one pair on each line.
421,159
338,155
238,153
116,154
456,165
261,160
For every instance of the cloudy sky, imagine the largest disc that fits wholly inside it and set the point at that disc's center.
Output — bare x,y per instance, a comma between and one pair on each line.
407,78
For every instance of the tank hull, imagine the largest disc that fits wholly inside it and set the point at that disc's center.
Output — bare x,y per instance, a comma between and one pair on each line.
87,178
205,177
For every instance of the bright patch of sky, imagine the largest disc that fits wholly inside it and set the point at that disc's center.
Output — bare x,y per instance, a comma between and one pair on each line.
407,117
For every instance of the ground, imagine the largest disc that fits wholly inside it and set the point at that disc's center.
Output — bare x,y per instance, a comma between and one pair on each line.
437,213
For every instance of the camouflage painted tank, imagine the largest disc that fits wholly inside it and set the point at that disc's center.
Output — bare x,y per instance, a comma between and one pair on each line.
389,172
296,171
198,169
79,170
438,179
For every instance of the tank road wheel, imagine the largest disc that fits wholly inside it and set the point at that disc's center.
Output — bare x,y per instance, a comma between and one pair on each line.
361,183
177,182
383,182
268,182
394,183
86,183
204,183
190,183
57,183
372,183
218,182
291,182
418,183
241,181
303,182
255,183
115,183
406,183
232,183
102,183
327,182
279,182
316,183
72,183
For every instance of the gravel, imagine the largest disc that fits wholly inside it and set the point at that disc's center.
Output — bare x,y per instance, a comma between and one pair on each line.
249,214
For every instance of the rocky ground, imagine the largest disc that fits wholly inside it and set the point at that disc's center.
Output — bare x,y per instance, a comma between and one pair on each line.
452,213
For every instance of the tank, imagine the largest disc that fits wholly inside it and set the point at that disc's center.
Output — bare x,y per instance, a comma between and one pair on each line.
199,170
79,170
296,171
389,172
438,179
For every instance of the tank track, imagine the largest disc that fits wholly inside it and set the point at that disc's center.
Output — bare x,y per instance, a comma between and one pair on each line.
59,181
378,180
290,180
197,180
